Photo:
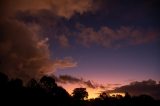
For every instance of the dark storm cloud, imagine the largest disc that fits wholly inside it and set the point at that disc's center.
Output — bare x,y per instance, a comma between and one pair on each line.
25,54
148,87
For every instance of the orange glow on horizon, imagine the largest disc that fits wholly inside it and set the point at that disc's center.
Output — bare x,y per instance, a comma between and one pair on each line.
92,93
116,94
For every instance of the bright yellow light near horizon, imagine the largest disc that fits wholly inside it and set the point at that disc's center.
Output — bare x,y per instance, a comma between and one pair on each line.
93,93
115,94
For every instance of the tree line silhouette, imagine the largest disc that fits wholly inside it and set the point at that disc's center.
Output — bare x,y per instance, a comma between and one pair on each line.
46,92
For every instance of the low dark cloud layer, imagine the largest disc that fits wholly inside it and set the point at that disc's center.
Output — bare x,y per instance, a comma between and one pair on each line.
73,80
64,79
148,87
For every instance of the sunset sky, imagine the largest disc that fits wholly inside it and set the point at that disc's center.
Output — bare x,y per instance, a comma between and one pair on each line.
97,44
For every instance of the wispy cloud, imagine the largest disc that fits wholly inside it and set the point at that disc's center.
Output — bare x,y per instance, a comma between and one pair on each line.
67,62
115,38
64,41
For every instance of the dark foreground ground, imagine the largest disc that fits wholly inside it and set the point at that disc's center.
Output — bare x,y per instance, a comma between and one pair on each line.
46,92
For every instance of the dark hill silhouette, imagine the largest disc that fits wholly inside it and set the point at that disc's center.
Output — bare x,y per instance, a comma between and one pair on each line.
47,93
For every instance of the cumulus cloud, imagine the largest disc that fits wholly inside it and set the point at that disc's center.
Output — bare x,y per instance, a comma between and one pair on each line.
115,38
148,87
62,8
68,8
24,51
25,54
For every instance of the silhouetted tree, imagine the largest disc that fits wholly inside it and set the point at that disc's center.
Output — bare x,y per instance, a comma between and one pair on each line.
127,96
3,79
3,84
103,96
60,92
16,83
46,92
119,96
32,84
48,83
80,93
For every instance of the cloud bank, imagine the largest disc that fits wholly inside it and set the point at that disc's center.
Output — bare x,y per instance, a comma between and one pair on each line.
62,8
148,87
64,79
25,54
